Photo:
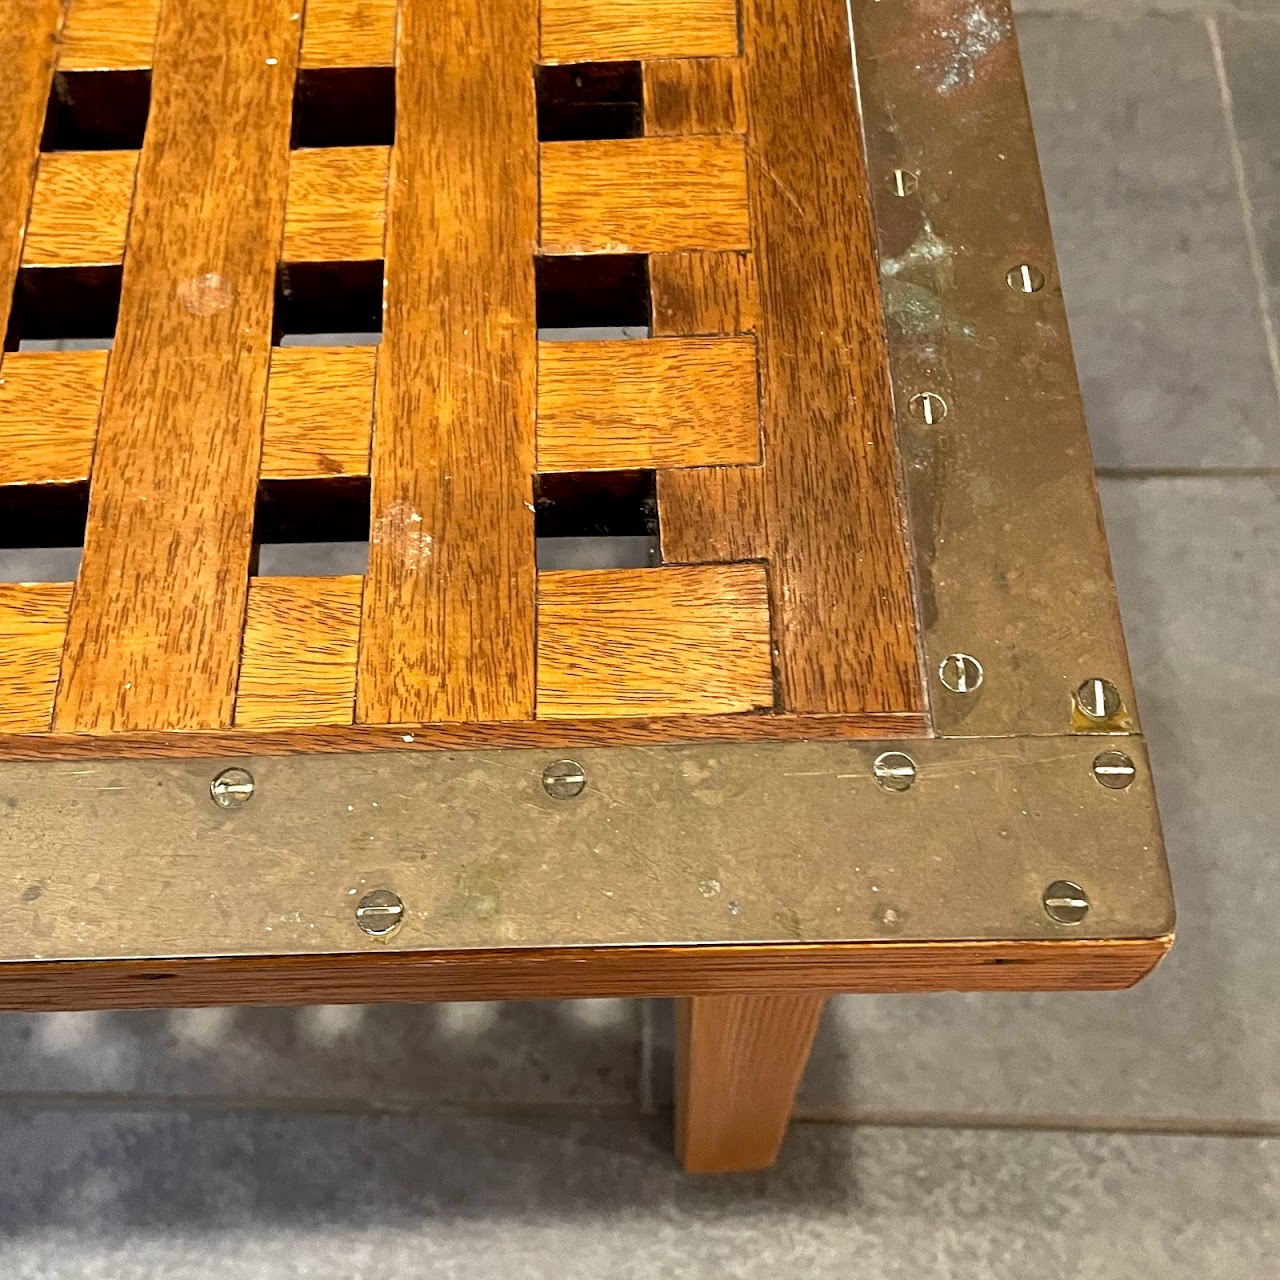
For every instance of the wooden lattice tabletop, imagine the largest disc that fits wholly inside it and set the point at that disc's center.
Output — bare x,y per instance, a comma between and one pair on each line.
719,605
585,169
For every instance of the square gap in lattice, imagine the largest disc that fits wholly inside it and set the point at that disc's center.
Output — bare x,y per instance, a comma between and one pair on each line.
42,530
590,100
598,291
328,304
97,111
64,308
596,520
344,107
312,528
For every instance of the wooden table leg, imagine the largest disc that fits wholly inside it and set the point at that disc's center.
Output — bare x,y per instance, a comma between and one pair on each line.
739,1059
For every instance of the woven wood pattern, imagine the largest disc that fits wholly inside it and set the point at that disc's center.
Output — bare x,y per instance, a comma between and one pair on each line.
192,185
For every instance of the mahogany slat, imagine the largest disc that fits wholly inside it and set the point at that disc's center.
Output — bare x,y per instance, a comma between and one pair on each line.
694,95
80,208
844,616
299,663
448,618
337,204
683,639
33,620
712,514
644,195
27,31
349,33
38,446
154,635
667,402
109,35
319,412
700,293
607,30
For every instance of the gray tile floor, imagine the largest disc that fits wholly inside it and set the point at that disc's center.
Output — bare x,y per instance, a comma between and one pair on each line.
1112,1136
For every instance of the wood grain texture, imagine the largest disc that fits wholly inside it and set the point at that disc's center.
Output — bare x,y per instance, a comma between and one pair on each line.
349,33
553,734
712,514
644,195
739,1061
577,972
609,30
665,402
701,293
299,664
337,208
33,623
688,639
27,32
39,447
109,35
448,621
155,629
319,412
80,208
840,574
694,95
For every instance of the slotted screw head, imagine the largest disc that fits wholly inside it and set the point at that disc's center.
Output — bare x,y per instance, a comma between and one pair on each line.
1066,902
232,788
379,912
1114,770
929,407
1098,699
564,779
960,673
895,770
1026,277
904,182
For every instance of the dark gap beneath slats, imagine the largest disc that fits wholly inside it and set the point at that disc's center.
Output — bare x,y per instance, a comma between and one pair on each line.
596,520
312,528
64,304
42,531
594,290
590,100
344,107
341,301
97,111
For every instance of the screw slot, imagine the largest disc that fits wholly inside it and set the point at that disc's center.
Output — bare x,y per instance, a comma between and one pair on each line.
1098,699
905,181
1114,770
1025,278
1066,902
895,771
232,788
929,407
379,912
960,673
564,779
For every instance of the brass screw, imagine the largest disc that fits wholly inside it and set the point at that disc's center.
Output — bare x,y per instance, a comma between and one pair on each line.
1025,278
895,771
905,181
929,407
379,912
232,788
1066,902
1098,699
1114,770
960,673
564,779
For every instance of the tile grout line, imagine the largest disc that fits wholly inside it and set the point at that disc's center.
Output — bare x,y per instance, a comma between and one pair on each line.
1242,188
